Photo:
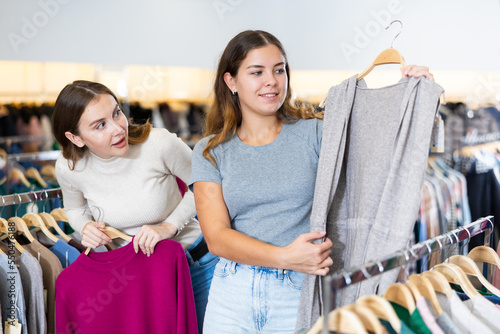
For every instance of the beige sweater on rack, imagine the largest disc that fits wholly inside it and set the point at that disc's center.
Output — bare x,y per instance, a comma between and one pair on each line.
131,191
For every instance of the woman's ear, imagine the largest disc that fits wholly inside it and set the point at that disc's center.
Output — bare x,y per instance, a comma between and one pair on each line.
230,82
77,140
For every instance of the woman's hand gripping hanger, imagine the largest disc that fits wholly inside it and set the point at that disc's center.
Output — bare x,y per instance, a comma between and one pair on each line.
111,232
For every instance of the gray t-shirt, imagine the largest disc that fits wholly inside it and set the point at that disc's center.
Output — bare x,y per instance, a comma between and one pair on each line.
268,189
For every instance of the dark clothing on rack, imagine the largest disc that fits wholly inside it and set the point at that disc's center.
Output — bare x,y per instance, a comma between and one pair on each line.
195,118
484,200
139,114
495,113
169,117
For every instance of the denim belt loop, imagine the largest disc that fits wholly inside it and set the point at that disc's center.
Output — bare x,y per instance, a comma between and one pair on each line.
232,269
281,273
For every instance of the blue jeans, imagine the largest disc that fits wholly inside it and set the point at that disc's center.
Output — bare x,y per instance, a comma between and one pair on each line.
251,299
201,277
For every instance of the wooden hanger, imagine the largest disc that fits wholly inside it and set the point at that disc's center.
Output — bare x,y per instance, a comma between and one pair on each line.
34,174
414,291
368,318
34,220
18,246
49,172
16,174
345,321
382,309
388,56
21,226
439,282
470,268
50,222
484,254
59,215
401,295
113,233
3,234
425,287
340,320
454,274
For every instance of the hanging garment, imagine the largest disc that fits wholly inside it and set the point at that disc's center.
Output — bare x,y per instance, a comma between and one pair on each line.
462,121
413,320
447,325
461,315
484,198
427,316
32,281
66,253
123,292
371,168
11,295
485,311
51,268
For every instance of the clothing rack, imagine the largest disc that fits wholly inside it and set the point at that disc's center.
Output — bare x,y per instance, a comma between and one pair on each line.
342,279
20,139
9,140
34,196
38,156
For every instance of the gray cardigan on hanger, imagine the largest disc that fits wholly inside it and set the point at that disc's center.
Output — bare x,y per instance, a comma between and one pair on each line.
370,172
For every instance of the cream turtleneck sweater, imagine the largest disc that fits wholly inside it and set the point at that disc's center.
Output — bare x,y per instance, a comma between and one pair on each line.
136,189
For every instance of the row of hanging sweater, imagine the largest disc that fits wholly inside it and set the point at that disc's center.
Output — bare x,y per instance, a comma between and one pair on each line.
50,273
453,297
31,263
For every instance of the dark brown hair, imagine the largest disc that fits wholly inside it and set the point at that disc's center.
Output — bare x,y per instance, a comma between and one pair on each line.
224,117
68,110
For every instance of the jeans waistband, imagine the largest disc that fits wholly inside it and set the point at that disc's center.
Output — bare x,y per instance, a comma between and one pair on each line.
233,265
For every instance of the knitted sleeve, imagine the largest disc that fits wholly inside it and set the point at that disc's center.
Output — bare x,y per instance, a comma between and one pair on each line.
75,204
176,156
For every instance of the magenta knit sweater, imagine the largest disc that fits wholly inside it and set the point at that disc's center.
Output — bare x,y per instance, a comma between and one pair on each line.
123,292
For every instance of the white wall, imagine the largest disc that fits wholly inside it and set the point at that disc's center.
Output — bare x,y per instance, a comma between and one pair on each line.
444,34
326,40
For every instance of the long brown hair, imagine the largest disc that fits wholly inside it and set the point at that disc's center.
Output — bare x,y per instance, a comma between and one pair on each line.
224,117
68,110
